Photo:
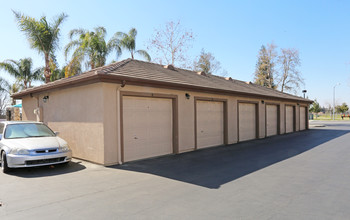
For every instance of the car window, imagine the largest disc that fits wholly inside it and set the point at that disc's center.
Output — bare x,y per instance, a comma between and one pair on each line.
27,130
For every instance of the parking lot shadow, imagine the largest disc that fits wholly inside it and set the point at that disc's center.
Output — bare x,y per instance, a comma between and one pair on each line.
216,166
58,169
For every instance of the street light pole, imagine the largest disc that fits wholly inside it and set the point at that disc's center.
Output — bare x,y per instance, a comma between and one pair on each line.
334,98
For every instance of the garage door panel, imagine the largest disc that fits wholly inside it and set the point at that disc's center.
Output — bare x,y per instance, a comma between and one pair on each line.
247,121
210,123
289,119
302,118
271,120
147,127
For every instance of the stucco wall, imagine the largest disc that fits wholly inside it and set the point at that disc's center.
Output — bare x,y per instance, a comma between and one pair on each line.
110,124
29,104
78,114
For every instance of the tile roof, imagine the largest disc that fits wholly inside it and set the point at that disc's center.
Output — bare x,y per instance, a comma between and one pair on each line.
135,70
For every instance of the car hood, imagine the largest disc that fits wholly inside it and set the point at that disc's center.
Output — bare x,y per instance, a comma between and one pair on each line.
34,143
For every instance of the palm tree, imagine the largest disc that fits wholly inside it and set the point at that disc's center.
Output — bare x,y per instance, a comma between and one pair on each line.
22,70
90,46
42,36
128,42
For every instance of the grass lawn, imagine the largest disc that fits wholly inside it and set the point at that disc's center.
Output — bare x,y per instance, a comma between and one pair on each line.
329,117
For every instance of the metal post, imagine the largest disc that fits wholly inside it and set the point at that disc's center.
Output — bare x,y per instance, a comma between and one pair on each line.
304,91
334,98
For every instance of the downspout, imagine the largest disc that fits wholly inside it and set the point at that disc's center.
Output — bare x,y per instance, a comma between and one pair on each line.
119,141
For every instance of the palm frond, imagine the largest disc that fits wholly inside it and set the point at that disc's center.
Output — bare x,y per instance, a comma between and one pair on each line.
76,32
70,46
120,35
58,21
133,32
38,72
114,45
144,54
12,69
101,31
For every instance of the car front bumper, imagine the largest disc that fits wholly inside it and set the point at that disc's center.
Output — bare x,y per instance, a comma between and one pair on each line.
18,161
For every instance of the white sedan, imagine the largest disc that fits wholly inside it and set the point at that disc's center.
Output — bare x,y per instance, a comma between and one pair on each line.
29,144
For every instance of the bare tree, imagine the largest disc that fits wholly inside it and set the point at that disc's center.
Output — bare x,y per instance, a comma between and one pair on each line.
3,103
170,44
289,76
207,63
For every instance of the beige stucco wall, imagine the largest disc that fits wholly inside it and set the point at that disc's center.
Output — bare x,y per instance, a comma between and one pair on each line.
87,117
29,104
78,114
110,123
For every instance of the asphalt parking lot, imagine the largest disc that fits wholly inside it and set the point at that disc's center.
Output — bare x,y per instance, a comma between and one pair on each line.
304,175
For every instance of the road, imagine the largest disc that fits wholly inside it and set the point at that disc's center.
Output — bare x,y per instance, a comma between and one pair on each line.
304,175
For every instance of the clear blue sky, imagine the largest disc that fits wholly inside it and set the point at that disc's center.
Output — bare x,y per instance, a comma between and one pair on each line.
232,30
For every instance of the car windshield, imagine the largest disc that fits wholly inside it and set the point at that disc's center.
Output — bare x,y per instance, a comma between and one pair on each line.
27,130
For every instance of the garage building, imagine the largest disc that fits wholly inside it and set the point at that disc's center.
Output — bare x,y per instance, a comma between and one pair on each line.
132,110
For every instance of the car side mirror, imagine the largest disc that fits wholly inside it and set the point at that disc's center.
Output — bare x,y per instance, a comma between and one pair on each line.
57,133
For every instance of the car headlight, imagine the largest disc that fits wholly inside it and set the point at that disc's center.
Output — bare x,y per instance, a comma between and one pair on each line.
63,148
19,151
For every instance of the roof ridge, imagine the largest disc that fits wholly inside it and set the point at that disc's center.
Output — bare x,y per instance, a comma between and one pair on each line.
179,68
114,66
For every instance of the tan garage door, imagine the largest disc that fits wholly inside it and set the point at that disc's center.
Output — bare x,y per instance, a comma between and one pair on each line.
271,120
210,124
247,121
302,118
289,119
147,127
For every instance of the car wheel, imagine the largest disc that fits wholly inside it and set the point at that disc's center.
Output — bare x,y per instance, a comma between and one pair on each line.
4,167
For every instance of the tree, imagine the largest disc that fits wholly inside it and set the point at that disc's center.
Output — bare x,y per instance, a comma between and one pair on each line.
90,46
42,36
207,63
171,43
342,108
4,90
128,42
3,103
4,85
56,72
289,77
265,66
12,89
315,107
22,70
